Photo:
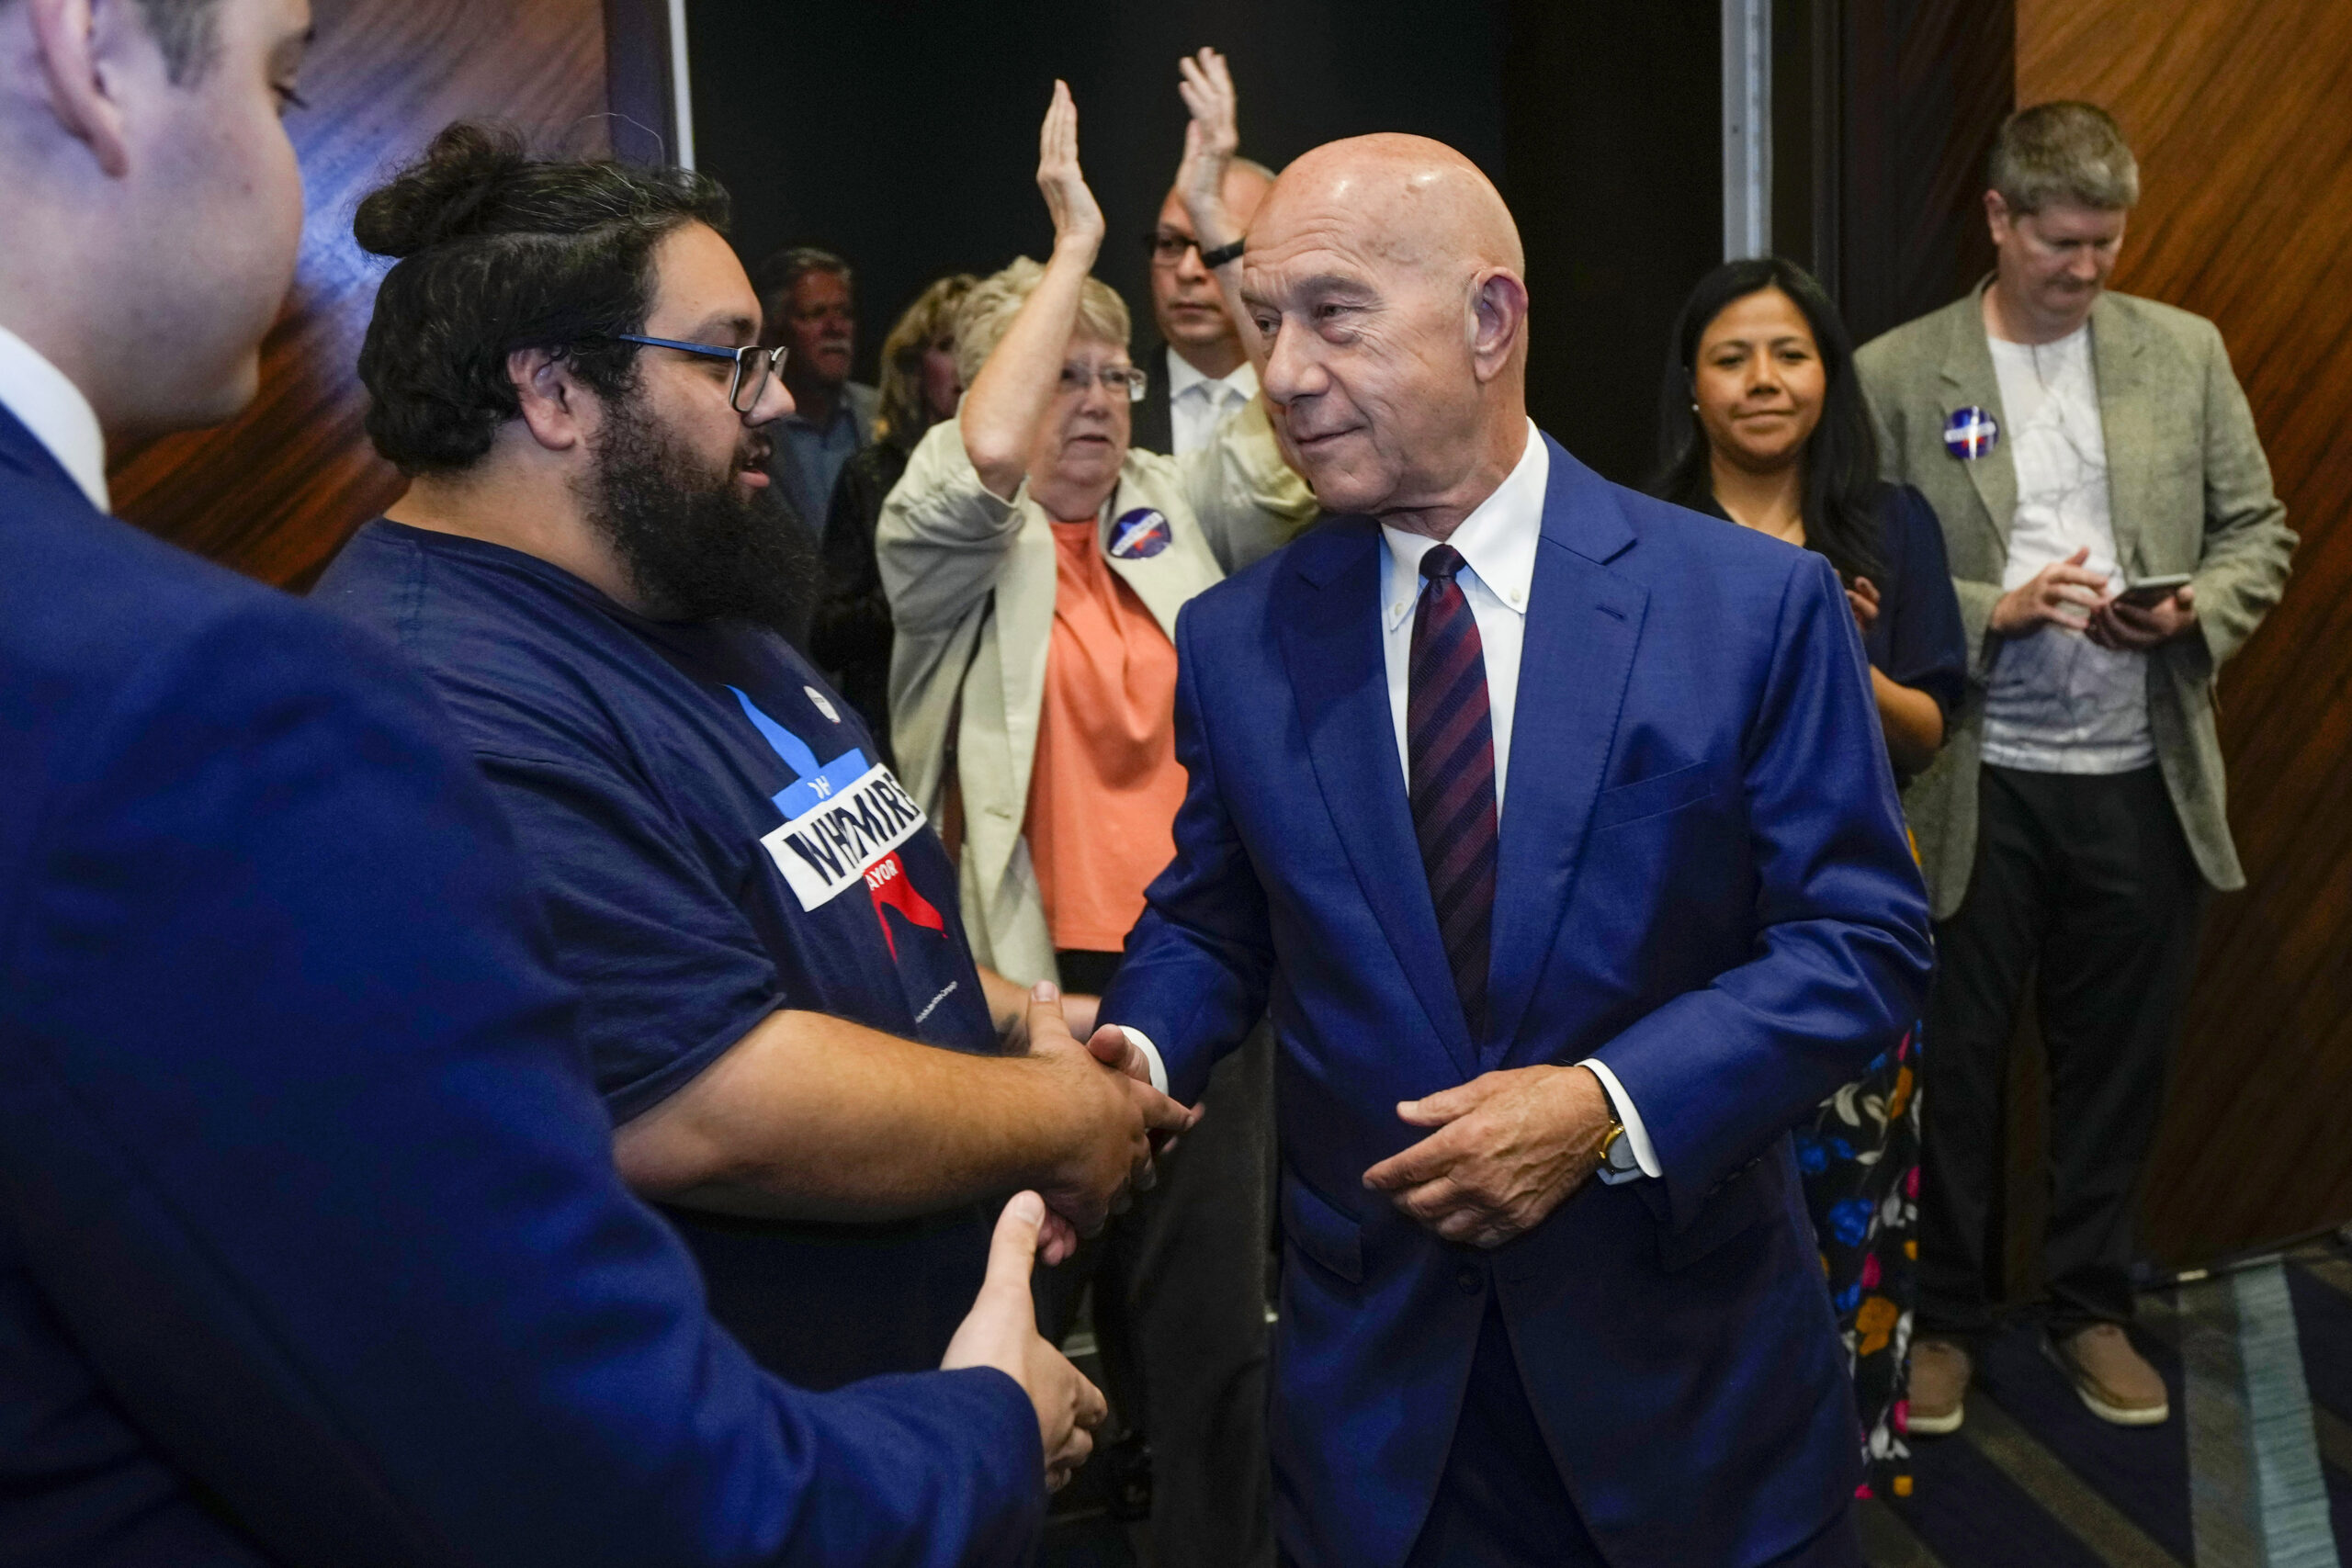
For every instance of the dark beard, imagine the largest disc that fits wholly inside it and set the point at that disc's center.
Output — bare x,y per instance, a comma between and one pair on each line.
695,548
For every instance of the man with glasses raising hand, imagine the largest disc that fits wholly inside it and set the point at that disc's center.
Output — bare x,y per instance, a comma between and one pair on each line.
801,1062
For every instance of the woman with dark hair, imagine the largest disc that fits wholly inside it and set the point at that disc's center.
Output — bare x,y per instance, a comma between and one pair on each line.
1762,423
851,635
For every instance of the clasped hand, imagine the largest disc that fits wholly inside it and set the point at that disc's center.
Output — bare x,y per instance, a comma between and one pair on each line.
1115,1122
1509,1148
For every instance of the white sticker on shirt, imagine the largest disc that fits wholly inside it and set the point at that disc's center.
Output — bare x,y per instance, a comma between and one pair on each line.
828,850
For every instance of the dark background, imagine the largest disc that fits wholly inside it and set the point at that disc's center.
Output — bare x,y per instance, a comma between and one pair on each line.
905,136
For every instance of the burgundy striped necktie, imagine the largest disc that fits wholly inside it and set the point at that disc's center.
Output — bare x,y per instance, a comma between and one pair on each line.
1449,739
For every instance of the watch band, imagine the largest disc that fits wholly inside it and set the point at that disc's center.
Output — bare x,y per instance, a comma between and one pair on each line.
1222,254
1616,1150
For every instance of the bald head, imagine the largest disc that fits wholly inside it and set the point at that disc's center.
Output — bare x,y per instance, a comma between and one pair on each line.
1385,272
1414,198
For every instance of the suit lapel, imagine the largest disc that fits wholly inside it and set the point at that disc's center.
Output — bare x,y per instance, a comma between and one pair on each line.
1583,623
1970,379
1330,615
2124,429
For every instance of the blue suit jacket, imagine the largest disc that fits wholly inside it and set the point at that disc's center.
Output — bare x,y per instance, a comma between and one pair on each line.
1705,882
311,1249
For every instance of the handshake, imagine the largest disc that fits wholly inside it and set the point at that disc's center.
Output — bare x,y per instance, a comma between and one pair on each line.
1112,1123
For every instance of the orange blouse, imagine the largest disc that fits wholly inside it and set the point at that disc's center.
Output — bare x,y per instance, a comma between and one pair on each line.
1105,784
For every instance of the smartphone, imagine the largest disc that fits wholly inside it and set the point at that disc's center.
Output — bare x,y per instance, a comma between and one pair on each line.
2150,592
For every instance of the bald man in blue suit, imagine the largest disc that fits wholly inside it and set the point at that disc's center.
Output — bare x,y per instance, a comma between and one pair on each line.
1555,826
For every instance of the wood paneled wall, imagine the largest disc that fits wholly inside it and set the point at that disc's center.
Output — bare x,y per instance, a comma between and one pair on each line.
1923,85
2239,112
275,492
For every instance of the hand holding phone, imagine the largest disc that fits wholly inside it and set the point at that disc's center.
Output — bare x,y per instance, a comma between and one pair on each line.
2147,592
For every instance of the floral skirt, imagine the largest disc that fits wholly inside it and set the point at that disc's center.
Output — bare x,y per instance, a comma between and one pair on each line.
1861,1162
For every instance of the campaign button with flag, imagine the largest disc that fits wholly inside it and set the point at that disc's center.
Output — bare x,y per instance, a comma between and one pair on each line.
1139,534
1971,432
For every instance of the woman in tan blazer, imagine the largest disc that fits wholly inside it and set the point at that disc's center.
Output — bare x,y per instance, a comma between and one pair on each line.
1036,563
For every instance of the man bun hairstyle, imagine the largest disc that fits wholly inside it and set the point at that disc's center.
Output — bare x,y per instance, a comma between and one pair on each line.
498,251
2064,150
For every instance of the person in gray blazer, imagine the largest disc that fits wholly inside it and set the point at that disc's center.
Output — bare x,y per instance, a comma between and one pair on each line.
2113,539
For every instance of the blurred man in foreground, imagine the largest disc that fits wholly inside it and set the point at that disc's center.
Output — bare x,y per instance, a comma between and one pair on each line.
311,1249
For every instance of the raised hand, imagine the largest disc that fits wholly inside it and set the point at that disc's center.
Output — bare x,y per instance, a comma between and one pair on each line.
1509,1148
1211,140
1000,1331
1077,221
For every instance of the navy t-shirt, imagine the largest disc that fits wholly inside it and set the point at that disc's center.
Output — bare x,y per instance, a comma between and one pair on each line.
713,838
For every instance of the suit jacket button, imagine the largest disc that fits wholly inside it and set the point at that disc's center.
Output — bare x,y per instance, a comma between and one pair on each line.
1471,1281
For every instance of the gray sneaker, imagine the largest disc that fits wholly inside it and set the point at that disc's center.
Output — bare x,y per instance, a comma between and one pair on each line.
1939,1371
2112,1378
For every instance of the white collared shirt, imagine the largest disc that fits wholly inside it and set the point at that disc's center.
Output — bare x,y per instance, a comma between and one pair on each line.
1498,542
1197,402
54,409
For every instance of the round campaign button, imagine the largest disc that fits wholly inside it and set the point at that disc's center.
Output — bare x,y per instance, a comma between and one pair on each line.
1970,432
1139,534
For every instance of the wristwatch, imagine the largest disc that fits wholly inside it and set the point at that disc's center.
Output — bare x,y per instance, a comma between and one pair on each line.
1222,254
1617,1150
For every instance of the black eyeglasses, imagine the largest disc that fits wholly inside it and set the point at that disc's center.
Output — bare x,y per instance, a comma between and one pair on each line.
1168,247
753,366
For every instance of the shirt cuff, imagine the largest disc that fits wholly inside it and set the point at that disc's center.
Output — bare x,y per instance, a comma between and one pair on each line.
1636,1133
1142,1042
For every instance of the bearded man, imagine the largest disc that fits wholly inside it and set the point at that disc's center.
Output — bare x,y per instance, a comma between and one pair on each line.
802,1064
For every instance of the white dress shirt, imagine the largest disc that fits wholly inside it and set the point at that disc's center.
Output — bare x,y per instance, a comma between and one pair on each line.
57,413
1497,543
1197,402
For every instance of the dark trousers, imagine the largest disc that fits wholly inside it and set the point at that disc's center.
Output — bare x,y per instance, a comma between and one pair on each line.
2087,881
1179,1313
1501,1502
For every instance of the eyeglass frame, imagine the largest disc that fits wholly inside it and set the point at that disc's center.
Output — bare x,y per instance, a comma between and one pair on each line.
1176,258
743,357
1138,380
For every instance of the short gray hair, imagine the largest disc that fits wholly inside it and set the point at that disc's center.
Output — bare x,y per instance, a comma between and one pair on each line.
987,311
2064,151
187,31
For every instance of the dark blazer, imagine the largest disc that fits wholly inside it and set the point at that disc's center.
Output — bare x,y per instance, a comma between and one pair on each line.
311,1249
1703,882
851,634
1150,426
1916,640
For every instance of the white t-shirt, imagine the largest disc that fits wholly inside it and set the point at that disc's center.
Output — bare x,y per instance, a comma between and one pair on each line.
2058,702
